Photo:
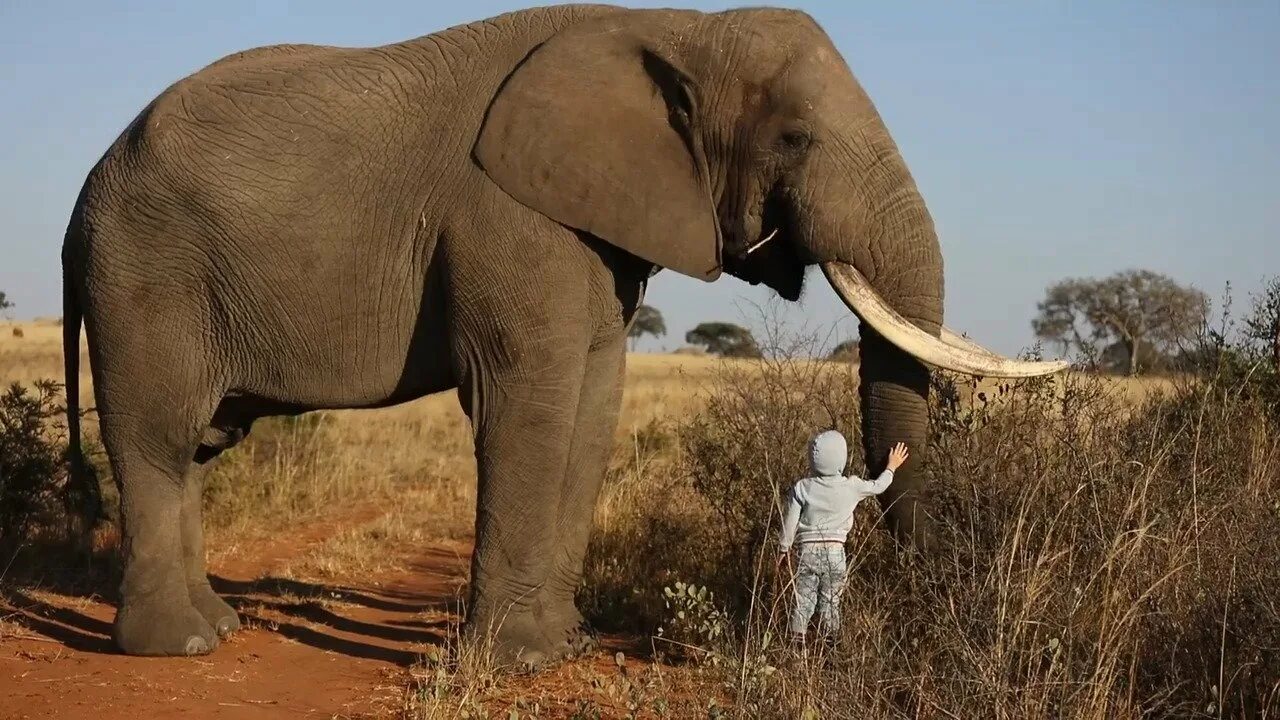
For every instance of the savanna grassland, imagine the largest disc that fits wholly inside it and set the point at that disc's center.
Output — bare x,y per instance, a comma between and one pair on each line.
1103,548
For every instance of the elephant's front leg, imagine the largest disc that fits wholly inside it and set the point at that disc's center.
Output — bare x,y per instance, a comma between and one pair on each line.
523,408
597,419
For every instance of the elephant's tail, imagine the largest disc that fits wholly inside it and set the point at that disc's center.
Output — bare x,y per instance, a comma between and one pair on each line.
83,496
71,319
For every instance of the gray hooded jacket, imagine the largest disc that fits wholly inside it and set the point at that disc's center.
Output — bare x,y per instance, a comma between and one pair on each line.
820,508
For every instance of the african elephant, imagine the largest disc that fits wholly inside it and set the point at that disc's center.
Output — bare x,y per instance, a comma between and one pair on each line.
300,227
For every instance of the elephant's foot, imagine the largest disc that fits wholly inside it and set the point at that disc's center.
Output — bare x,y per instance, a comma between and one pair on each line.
515,639
164,625
214,609
568,631
577,641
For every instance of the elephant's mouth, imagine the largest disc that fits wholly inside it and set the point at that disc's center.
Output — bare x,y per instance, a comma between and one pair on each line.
773,258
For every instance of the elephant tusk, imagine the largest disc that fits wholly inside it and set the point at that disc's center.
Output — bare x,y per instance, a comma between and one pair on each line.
766,239
952,352
956,340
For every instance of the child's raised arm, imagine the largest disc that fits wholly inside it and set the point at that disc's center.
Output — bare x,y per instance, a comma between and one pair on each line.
897,456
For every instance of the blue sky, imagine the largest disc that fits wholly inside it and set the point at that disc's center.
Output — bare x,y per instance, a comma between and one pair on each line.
1050,139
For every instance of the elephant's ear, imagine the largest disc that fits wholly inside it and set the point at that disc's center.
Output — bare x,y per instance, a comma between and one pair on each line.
595,130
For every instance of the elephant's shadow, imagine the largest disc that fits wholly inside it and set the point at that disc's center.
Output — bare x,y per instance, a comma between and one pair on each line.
294,609
65,625
261,602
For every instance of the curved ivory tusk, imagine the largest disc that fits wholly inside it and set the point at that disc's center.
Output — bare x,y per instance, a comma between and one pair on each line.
767,238
962,355
956,340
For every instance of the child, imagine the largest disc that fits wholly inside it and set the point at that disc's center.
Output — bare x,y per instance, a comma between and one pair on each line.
819,515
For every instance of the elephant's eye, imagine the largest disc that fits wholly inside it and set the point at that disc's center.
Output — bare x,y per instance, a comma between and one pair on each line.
795,140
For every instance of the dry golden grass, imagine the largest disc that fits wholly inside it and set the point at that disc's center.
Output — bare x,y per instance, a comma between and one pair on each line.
420,452
1107,551
419,514
37,354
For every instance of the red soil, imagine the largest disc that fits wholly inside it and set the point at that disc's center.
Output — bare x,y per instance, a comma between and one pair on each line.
338,649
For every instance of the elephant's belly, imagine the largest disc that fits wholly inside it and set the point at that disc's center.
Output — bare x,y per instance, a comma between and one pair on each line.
353,337
354,362
306,389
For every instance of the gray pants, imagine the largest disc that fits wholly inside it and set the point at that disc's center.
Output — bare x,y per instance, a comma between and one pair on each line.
819,579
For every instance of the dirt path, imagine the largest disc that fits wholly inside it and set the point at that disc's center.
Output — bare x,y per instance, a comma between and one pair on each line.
309,649
337,649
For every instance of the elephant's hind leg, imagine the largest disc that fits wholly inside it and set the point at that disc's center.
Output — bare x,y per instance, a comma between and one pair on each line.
214,609
156,615
154,406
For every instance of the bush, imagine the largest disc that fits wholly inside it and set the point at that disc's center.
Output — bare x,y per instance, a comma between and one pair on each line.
39,497
742,453
721,474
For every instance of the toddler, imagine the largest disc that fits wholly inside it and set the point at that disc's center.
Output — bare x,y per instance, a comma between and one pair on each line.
818,516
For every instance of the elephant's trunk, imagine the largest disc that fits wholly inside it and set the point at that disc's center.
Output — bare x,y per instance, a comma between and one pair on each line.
901,320
880,252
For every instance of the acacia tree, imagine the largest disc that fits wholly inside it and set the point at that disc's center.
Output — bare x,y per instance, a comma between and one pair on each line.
724,339
647,321
4,303
1144,313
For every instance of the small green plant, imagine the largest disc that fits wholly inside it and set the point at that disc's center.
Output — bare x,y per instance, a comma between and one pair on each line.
587,709
694,623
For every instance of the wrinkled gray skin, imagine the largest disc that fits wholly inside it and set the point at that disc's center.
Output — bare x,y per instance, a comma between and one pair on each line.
304,227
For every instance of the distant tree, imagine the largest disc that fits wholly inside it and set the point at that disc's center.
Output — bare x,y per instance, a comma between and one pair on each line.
1116,358
724,339
846,351
1142,311
5,305
648,321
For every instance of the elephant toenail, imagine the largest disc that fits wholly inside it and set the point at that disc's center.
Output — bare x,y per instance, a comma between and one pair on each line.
224,627
196,645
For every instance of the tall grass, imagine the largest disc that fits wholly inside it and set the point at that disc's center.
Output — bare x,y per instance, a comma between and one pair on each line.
1100,556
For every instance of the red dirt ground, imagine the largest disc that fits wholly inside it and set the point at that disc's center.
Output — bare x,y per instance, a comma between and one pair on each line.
347,657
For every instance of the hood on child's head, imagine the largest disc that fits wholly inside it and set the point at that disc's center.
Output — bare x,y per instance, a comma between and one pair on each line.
828,454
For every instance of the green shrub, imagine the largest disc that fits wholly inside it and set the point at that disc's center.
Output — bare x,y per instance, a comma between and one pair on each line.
39,497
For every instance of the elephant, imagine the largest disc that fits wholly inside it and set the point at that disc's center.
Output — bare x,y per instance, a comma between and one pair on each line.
301,227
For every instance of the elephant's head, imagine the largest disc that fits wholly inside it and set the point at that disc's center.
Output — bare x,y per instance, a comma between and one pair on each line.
741,142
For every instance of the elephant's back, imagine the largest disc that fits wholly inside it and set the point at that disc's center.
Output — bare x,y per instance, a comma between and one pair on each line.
306,115
267,53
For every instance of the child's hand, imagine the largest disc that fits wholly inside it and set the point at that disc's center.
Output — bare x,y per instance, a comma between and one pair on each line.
897,456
